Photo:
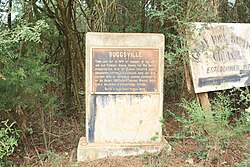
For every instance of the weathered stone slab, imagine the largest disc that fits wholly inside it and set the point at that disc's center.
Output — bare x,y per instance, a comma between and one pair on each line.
219,56
124,94
88,152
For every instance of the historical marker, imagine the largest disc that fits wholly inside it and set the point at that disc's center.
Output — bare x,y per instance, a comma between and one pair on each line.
124,95
125,70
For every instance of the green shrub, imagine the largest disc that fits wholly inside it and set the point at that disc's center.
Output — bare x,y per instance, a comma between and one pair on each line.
213,130
8,141
24,73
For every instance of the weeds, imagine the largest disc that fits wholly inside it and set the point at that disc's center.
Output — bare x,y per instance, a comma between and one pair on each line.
50,158
8,141
213,131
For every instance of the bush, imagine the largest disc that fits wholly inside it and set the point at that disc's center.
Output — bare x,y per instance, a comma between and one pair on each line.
8,141
214,130
23,72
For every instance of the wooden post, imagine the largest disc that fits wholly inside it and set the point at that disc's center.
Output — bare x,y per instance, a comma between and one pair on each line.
201,97
204,101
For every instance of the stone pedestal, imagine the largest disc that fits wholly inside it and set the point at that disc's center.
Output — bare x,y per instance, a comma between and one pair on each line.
88,152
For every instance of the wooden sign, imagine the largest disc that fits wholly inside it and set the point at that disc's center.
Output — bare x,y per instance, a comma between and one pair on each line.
219,56
124,70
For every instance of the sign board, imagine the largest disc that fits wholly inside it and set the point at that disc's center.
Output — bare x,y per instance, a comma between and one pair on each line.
219,56
125,70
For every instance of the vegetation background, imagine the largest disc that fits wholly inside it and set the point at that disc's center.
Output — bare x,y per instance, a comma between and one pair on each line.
42,68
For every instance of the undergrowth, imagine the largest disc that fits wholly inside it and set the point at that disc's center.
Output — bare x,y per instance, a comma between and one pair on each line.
9,136
216,131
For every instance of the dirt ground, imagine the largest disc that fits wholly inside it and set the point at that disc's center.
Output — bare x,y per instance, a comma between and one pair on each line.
184,152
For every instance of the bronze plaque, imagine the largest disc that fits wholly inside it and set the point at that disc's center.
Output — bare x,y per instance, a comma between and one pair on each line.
125,70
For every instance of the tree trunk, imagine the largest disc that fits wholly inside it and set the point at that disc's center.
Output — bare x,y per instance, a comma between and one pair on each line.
123,16
143,18
68,71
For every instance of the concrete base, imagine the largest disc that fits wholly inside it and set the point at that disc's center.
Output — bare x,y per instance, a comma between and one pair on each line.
88,152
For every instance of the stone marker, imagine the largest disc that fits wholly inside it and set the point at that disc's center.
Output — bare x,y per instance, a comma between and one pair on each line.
219,56
124,95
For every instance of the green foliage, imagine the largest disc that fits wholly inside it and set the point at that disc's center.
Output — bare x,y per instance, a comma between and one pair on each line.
201,153
175,18
212,130
24,73
50,158
155,137
240,97
50,155
243,11
244,163
156,159
8,141
239,12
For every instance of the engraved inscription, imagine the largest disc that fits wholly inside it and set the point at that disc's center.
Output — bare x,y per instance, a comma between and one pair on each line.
124,70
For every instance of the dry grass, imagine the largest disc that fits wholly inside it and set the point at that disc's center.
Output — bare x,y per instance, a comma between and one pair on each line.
66,132
115,162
